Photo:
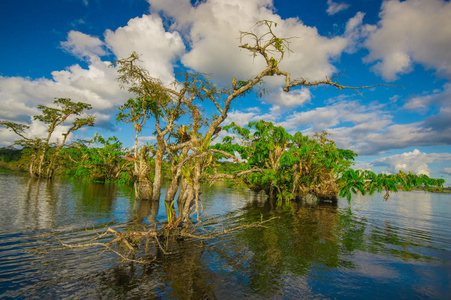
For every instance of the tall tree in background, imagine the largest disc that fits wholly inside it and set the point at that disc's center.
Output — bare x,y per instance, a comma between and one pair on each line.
137,111
52,117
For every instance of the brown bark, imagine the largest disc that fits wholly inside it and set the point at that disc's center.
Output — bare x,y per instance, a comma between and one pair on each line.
144,185
158,177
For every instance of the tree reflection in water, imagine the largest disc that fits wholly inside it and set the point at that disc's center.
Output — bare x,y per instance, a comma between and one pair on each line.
307,243
310,251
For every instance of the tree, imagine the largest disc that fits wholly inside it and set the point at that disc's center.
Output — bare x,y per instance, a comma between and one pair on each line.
99,159
190,152
137,111
367,182
52,117
286,166
153,100
292,167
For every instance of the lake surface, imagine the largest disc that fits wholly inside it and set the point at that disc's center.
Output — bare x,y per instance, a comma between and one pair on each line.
371,249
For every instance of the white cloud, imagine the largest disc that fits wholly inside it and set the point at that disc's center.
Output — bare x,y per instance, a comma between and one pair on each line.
370,129
416,161
425,102
437,126
143,140
37,129
82,45
242,118
325,118
335,7
356,32
213,34
360,165
295,98
146,35
412,31
97,84
447,171
211,29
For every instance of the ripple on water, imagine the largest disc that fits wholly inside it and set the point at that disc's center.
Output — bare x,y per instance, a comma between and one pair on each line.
386,249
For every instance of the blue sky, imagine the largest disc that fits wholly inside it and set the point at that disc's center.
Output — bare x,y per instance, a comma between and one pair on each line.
63,48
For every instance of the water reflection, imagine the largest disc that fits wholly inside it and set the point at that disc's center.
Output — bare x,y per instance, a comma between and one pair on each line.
95,198
38,208
145,211
386,249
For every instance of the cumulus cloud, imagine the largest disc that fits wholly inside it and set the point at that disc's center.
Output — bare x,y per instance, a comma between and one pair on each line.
295,98
416,161
412,31
242,118
96,84
447,171
335,7
325,118
437,104
158,49
37,129
208,42
82,45
143,140
356,32
213,34
370,129
426,102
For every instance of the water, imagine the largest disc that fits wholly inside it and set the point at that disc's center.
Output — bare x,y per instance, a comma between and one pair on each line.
371,249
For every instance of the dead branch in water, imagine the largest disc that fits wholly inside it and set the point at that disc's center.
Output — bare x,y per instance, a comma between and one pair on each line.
130,239
225,231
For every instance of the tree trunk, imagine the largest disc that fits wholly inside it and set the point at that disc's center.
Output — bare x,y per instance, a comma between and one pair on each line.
157,180
172,190
143,186
191,200
176,176
184,189
41,162
33,159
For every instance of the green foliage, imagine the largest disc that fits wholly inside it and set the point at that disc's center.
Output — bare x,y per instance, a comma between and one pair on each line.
136,111
65,108
354,181
8,154
290,167
41,146
98,160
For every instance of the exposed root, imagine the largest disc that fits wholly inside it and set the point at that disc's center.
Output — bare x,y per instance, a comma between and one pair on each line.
125,244
211,235
128,240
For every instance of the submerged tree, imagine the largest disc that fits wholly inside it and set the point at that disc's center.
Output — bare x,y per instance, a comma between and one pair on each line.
285,166
52,117
153,100
137,111
293,167
188,148
99,160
